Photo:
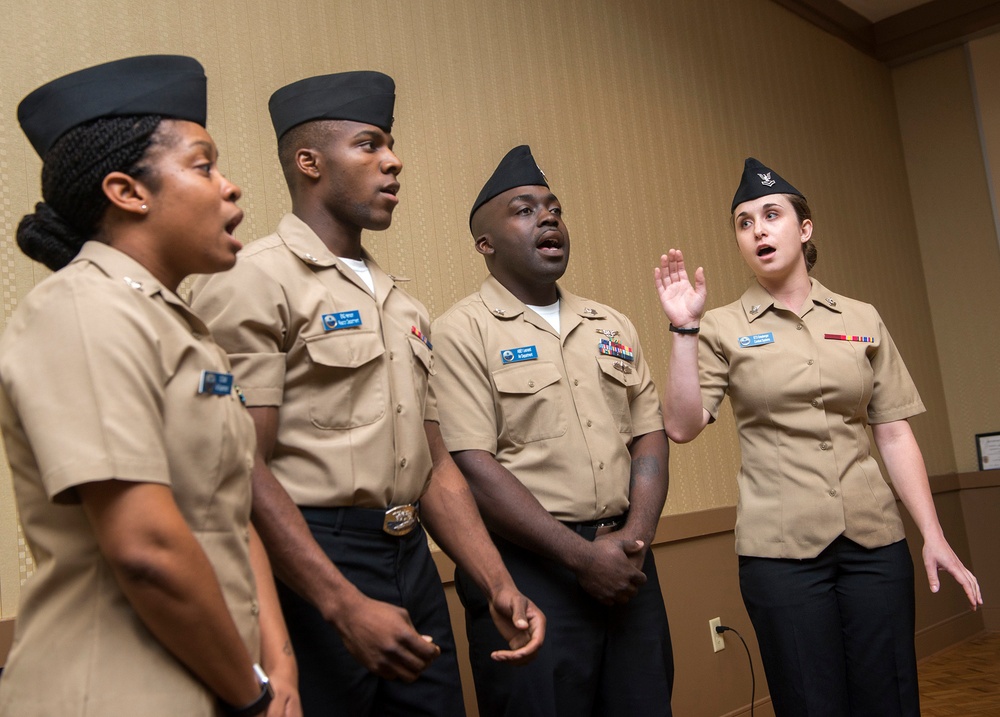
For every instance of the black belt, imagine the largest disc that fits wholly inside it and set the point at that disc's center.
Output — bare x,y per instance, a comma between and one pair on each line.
397,520
590,529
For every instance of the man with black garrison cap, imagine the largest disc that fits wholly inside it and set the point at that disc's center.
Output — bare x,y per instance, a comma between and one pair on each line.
547,406
333,359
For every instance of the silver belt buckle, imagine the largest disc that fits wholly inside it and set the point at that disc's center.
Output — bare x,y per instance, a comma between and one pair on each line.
400,519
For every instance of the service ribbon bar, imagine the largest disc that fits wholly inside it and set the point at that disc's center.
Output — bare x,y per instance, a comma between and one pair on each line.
845,337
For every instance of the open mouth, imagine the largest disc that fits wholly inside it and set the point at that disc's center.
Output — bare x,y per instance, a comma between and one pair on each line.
234,222
765,250
550,241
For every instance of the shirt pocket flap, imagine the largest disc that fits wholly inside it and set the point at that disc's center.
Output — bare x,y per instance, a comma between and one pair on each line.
423,354
344,350
526,378
618,370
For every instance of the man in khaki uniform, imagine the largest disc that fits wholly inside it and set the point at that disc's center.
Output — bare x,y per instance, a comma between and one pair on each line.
334,359
548,407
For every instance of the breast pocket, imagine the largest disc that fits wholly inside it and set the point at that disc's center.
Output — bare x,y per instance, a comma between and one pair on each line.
530,401
423,366
349,379
617,379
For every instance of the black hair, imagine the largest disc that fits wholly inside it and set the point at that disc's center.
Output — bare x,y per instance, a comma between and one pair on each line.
312,134
74,168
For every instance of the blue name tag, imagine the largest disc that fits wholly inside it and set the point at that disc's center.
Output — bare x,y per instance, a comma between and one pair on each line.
756,340
341,320
215,383
524,353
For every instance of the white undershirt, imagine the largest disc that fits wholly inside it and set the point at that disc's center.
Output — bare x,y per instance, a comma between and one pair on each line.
550,313
361,269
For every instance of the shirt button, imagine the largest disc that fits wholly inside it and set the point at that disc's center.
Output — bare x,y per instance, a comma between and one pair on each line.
399,408
833,492
392,355
601,465
799,327
531,384
815,403
254,608
402,463
576,382
824,446
809,362
589,423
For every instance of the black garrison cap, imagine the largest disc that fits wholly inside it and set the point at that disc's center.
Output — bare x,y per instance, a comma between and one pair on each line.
362,96
516,169
173,86
759,181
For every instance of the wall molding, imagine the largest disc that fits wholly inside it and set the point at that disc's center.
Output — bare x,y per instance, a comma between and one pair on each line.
906,36
700,523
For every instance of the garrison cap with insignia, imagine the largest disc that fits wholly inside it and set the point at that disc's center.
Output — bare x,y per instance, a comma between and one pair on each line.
759,181
516,169
172,86
360,96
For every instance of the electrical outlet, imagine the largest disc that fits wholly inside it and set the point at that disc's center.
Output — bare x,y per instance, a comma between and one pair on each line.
718,643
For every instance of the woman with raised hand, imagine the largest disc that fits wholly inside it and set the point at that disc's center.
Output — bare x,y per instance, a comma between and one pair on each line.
129,447
825,571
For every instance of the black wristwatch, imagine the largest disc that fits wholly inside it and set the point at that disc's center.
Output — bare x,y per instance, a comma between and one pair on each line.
259,705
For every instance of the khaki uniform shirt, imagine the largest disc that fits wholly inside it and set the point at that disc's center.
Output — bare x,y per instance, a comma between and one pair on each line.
802,403
561,422
100,369
352,397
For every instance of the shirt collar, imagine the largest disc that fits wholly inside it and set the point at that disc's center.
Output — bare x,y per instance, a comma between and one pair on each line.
304,243
756,301
119,266
504,305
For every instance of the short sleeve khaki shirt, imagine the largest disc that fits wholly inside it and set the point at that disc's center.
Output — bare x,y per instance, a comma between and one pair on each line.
100,370
347,370
803,391
553,409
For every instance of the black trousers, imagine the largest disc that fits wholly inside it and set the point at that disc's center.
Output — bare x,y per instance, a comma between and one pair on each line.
836,631
596,661
397,570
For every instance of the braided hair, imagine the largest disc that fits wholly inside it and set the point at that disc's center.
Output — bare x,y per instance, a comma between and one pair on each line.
73,200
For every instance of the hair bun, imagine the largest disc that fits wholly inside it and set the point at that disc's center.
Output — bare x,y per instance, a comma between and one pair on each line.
46,237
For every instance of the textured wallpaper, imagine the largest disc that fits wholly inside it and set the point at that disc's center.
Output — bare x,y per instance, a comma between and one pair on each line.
639,112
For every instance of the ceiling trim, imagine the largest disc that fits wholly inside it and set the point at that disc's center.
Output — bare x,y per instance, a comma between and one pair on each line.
906,36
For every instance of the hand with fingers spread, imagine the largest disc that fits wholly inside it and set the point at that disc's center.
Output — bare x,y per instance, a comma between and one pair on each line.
682,302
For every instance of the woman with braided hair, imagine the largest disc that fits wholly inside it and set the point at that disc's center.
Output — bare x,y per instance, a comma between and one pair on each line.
129,447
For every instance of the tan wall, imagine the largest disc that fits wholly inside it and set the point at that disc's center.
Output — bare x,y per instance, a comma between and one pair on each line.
957,236
640,113
984,63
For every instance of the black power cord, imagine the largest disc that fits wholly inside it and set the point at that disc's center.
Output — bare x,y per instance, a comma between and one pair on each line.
753,681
